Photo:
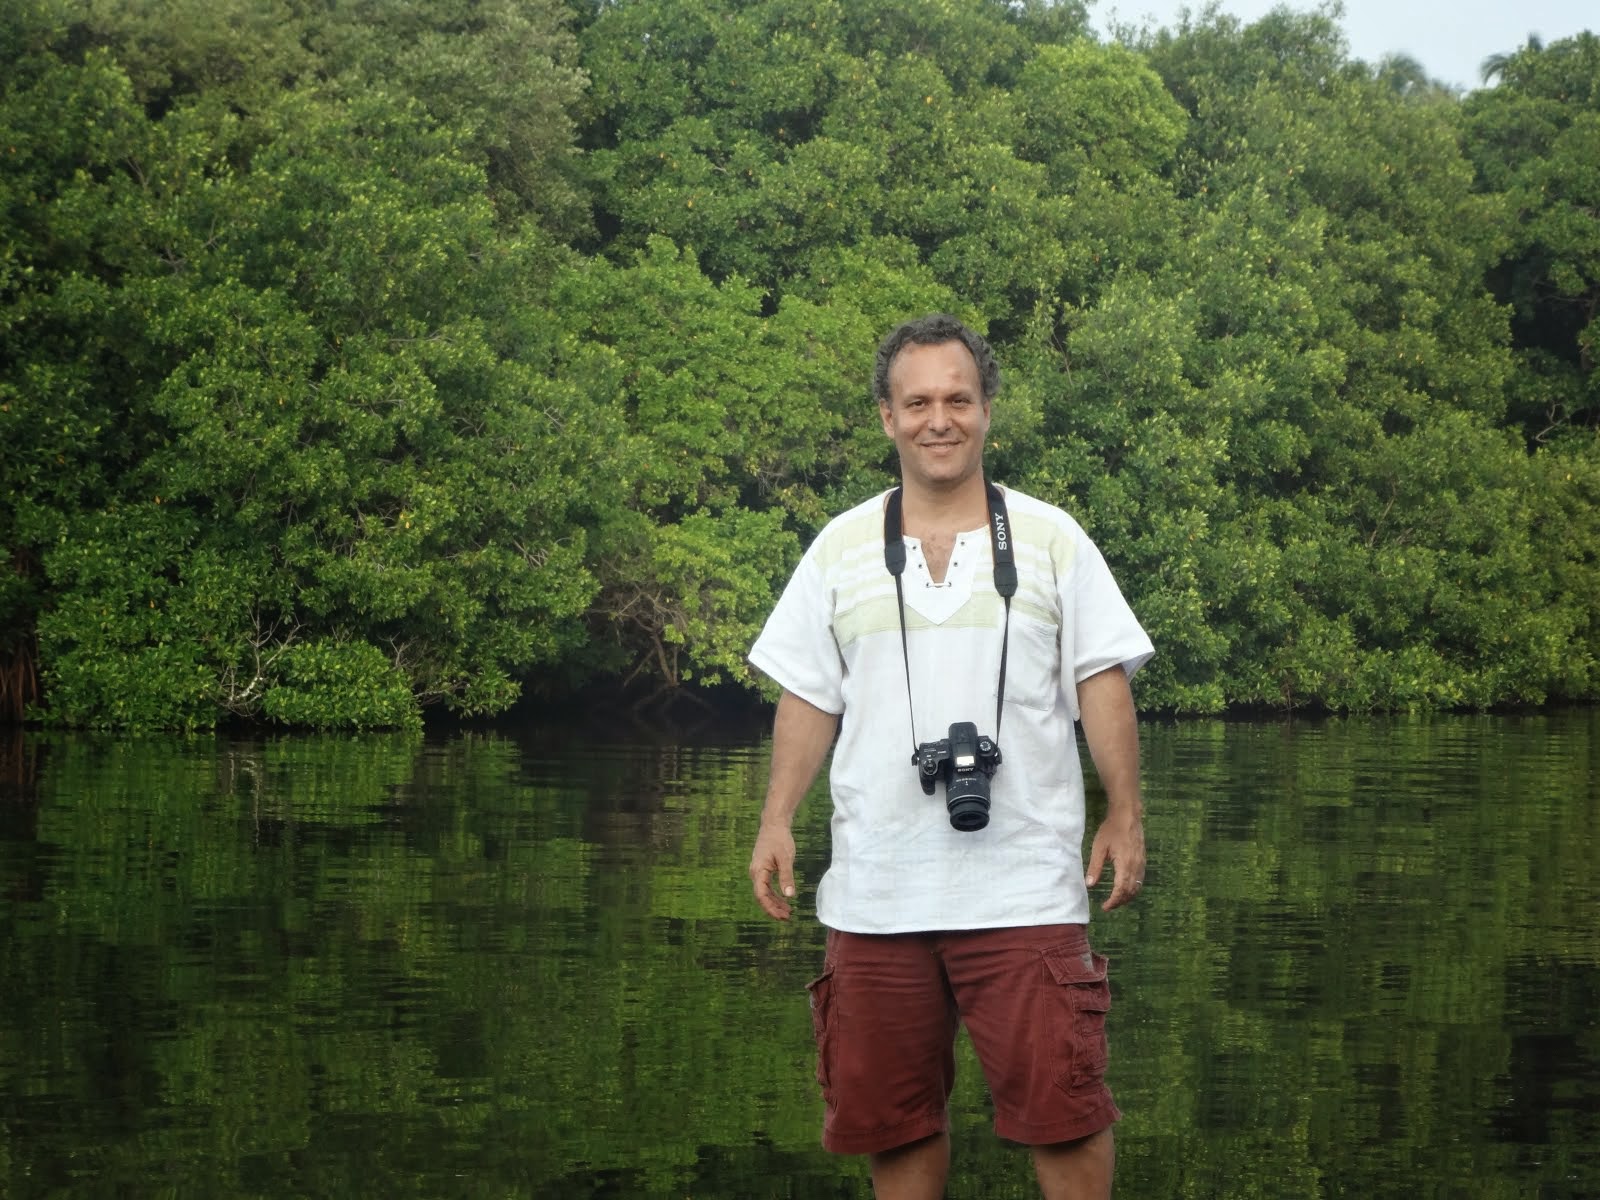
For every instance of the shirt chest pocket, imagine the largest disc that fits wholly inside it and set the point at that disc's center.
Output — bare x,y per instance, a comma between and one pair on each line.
1033,663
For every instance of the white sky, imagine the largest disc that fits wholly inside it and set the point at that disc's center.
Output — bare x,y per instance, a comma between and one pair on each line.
1450,38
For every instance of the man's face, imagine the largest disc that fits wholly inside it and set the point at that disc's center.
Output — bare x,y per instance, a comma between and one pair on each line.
936,415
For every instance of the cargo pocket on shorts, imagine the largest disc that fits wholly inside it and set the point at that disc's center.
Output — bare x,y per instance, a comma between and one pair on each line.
1080,1048
821,989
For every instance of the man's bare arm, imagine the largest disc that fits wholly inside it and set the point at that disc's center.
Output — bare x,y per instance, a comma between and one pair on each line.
801,736
1111,728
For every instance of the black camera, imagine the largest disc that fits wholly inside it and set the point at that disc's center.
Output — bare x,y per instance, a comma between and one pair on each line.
966,759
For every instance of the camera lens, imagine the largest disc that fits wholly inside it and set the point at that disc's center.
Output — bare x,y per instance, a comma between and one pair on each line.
967,802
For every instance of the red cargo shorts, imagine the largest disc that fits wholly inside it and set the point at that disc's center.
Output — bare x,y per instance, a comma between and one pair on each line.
885,1012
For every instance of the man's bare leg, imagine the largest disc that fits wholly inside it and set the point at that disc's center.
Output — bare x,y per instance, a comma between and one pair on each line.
915,1171
1079,1170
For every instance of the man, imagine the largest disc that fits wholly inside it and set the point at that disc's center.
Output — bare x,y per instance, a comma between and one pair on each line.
930,925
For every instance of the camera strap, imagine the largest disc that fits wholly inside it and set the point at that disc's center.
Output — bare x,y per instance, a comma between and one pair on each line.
1005,582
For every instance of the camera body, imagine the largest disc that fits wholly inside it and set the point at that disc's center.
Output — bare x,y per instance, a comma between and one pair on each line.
967,760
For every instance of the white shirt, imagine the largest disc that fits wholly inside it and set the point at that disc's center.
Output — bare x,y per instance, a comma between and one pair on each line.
834,640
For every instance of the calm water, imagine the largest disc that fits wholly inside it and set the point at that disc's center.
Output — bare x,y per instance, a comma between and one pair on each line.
1366,963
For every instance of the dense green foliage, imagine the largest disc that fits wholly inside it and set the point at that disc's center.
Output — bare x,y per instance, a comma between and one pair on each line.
363,356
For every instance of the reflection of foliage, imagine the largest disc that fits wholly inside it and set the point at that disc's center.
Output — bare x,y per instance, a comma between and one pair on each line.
364,967
1350,906
387,965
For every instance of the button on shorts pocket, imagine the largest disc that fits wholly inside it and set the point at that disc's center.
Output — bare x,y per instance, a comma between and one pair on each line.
1079,1039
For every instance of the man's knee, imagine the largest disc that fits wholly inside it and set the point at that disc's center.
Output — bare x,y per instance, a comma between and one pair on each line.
914,1171
1077,1170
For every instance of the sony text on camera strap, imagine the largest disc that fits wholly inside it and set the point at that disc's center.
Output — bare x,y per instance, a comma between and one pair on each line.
1005,582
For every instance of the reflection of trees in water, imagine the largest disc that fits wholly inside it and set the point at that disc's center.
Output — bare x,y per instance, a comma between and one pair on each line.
641,833
241,775
631,786
20,760
552,941
629,817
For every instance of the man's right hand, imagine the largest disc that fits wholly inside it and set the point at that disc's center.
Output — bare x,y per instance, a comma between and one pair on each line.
774,852
801,735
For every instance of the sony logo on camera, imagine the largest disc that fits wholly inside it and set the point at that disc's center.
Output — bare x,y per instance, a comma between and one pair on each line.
1000,531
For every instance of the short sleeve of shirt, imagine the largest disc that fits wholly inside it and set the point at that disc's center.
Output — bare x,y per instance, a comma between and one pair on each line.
1105,632
797,649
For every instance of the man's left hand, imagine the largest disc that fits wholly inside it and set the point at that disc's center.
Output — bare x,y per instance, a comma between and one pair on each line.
1120,839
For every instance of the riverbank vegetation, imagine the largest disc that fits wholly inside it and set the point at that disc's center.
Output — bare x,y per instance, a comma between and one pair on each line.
364,356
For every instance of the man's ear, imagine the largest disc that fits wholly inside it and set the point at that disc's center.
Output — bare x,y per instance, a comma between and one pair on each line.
887,414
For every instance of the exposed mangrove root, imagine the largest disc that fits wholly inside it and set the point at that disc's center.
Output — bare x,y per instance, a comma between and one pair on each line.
19,679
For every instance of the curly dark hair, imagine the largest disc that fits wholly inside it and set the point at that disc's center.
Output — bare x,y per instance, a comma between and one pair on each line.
932,330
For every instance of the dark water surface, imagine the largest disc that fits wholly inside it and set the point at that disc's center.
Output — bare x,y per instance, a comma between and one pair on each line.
526,963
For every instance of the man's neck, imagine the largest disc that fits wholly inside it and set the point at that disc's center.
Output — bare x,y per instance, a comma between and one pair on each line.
941,511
